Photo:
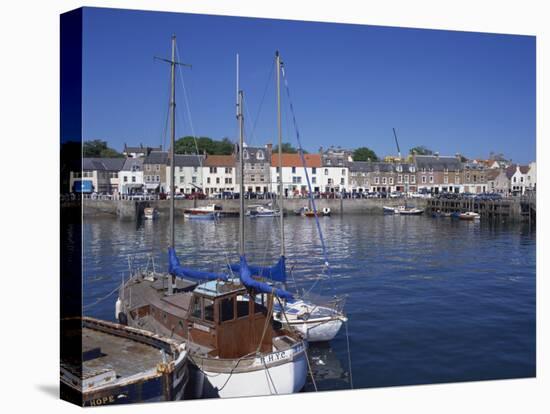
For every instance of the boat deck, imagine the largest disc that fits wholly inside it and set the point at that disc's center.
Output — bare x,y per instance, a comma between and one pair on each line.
125,356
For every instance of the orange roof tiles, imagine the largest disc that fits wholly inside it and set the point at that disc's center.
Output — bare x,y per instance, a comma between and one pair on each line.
294,160
220,161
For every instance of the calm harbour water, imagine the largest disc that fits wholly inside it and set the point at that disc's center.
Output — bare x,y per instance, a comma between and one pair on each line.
429,300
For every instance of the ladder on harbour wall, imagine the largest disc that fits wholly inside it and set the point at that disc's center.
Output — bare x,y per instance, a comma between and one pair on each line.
492,210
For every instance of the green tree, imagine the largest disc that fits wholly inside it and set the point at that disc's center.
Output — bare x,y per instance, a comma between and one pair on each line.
364,154
98,149
287,148
421,150
186,145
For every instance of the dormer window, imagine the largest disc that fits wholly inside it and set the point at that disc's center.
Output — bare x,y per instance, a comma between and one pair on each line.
412,168
245,154
399,168
260,155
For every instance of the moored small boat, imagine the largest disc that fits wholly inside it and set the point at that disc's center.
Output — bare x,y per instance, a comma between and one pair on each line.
404,210
209,212
121,365
258,211
150,213
469,215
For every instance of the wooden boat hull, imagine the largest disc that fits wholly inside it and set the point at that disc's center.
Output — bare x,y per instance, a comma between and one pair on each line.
93,381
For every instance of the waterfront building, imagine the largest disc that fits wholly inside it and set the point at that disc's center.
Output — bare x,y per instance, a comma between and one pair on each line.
335,171
436,174
188,173
474,178
531,177
131,176
154,171
391,177
99,175
293,174
517,175
219,174
257,169
358,176
498,181
139,151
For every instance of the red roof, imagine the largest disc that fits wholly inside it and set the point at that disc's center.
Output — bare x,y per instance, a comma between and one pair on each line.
294,160
220,161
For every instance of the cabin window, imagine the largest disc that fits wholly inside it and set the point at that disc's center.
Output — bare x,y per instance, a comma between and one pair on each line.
208,310
226,309
242,307
196,312
259,305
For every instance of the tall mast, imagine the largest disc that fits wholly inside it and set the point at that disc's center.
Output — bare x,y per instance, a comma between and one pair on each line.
280,148
172,145
240,119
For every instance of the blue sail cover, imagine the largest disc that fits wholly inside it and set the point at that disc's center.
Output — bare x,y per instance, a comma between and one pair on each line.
261,287
277,272
176,269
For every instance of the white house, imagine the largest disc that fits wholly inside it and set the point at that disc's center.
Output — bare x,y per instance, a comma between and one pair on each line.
518,178
131,176
294,175
531,176
188,173
219,174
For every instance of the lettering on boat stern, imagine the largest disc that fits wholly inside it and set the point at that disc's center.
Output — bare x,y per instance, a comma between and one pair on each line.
276,356
102,401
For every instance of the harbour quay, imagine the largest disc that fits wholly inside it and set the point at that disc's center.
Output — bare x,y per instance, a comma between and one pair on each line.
133,209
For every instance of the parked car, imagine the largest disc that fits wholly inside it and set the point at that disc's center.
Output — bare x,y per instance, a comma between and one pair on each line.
196,196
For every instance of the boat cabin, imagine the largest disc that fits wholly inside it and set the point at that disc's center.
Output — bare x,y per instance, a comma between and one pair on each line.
224,317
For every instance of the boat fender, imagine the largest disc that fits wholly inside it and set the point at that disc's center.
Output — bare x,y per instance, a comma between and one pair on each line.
122,318
118,307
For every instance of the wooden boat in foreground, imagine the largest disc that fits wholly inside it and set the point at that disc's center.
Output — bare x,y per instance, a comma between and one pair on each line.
121,365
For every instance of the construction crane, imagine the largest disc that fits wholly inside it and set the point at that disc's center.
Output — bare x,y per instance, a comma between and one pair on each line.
397,143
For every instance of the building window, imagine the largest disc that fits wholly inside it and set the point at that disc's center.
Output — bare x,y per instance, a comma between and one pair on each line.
245,154
457,179
195,169
181,169
217,180
181,179
133,178
213,170
313,170
342,181
326,171
293,170
158,178
406,179
314,180
260,155
445,180
194,180
207,180
157,167
228,170
413,179
376,180
384,180
423,179
125,179
399,179
431,178
343,172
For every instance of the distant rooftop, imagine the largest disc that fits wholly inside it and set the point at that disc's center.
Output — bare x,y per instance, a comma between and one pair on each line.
294,160
102,164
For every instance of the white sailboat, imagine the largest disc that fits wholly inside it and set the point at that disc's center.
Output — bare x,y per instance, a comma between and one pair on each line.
316,321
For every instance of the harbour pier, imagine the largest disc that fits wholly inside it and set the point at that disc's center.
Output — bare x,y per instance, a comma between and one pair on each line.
513,209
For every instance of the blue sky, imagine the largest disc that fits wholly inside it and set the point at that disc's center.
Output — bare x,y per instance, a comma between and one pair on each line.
451,91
